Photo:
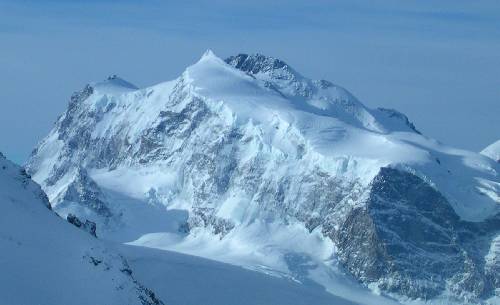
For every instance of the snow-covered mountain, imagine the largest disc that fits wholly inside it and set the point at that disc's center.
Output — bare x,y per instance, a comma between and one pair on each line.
248,162
45,260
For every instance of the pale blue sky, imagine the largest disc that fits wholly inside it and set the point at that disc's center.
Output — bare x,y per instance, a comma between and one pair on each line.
436,61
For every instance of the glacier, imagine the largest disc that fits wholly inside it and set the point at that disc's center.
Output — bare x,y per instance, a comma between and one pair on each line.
248,162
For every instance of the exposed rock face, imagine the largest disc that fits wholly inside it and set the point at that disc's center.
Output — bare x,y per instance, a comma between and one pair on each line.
88,226
409,240
259,64
86,192
253,141
204,218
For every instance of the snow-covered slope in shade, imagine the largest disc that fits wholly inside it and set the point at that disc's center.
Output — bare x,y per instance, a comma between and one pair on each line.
46,261
492,151
198,281
248,162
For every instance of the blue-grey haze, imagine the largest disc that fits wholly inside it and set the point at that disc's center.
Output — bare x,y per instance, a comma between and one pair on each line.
436,61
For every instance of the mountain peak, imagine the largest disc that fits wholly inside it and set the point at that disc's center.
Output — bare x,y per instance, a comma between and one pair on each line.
492,151
207,60
208,54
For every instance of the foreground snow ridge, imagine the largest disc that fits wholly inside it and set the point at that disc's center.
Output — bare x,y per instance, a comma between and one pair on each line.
248,162
45,260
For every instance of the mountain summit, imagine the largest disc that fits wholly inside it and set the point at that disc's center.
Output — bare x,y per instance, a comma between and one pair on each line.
492,151
246,161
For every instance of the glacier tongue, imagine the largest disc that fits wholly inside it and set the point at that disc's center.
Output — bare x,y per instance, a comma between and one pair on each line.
248,162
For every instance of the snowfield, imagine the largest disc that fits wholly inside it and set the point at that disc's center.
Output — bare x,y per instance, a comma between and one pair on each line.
195,280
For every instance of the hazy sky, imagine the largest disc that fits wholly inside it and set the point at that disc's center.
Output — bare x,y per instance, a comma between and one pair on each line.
436,61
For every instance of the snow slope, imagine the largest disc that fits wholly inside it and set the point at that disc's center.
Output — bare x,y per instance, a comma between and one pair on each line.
46,261
248,162
200,281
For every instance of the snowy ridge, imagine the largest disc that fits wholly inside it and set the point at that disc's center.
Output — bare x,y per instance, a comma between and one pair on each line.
47,261
248,162
321,97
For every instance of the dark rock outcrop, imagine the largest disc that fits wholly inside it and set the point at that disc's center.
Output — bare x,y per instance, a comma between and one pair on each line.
88,225
408,239
86,192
